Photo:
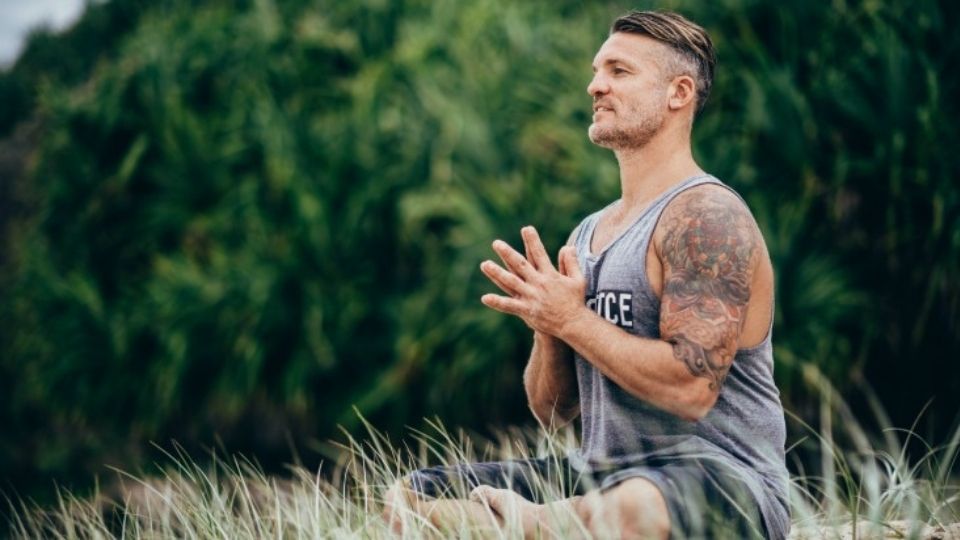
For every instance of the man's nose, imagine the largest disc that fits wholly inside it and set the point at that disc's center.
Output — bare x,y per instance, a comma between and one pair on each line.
598,86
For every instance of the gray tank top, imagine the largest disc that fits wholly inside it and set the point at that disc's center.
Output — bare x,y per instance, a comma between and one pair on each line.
745,429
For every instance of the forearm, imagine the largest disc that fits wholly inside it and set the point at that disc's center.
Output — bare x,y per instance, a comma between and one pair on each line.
550,381
646,368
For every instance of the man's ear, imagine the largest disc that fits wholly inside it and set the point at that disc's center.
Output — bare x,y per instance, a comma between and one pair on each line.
682,91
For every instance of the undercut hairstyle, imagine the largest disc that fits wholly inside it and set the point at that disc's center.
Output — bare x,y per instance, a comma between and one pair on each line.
692,47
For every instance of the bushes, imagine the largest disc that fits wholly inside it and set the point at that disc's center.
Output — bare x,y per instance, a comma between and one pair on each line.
252,217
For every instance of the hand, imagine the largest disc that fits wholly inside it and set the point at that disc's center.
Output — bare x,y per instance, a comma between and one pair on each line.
545,298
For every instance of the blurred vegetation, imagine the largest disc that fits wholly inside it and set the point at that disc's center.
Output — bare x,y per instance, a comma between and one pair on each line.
240,219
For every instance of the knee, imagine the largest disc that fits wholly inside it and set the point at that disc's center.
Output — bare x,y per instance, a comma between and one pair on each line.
641,511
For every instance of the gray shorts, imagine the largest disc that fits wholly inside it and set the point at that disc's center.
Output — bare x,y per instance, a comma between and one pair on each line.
704,500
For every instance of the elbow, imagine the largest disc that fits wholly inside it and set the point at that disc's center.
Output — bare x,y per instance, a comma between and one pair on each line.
698,405
553,417
693,415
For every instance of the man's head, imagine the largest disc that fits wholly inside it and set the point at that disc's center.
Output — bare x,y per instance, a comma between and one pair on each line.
654,67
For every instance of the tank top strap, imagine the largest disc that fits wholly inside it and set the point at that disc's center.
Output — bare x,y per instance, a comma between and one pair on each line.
667,196
583,236
580,237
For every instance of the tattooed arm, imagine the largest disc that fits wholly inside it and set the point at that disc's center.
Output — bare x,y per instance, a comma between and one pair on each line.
706,242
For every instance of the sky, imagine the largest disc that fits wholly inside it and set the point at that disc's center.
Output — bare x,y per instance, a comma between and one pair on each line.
18,17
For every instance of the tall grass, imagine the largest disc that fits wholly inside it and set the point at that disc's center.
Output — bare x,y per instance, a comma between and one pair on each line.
864,487
869,487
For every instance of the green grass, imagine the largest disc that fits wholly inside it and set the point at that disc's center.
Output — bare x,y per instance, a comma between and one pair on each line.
866,487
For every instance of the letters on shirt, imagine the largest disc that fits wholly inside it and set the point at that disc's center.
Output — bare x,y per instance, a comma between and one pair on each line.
614,306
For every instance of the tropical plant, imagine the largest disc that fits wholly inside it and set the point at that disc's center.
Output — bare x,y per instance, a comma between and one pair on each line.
244,218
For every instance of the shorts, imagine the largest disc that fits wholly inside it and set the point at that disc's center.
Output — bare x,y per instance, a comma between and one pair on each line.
704,498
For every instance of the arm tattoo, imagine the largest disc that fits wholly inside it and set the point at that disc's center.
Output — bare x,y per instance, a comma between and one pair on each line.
707,253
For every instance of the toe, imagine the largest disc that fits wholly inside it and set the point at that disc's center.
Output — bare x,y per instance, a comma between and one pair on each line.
490,497
482,494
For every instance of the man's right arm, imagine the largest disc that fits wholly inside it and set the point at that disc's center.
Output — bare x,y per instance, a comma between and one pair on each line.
550,378
550,381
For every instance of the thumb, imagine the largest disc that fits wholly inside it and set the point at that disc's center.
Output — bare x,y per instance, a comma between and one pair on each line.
568,260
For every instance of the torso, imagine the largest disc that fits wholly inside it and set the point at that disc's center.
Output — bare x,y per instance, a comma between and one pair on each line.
745,429
759,310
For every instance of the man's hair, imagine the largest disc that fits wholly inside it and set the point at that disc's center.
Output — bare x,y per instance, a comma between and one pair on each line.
694,50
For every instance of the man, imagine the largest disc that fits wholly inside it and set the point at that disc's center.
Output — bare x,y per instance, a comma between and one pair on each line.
654,327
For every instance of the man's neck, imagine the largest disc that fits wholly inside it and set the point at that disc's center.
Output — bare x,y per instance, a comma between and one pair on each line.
652,169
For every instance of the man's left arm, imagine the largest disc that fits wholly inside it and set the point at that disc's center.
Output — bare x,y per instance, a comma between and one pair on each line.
707,242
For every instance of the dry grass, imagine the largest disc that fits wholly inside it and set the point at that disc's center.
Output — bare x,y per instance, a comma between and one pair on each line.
870,490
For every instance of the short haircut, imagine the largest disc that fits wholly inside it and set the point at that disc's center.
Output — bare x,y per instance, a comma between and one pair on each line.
694,50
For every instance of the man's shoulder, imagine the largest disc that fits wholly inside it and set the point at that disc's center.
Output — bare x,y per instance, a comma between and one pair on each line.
706,228
710,210
715,196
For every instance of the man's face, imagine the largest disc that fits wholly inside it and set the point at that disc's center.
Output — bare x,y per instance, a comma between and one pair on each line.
629,91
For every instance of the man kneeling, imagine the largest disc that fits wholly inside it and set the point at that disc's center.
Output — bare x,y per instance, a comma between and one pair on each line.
654,328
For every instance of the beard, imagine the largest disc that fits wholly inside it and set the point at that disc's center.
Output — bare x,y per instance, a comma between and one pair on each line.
636,134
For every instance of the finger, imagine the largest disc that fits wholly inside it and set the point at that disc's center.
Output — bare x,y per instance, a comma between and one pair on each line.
503,304
571,267
508,283
536,253
514,261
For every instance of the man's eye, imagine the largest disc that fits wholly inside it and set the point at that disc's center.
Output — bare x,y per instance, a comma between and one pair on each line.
618,71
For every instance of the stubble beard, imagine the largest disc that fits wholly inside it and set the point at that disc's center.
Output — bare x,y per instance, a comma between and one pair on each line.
634,136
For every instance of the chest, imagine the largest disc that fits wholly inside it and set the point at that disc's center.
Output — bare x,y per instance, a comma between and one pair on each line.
622,250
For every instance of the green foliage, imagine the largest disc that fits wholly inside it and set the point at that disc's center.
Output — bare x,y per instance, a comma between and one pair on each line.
249,217
66,58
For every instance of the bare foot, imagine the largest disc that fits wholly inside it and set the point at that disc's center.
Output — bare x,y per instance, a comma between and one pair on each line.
510,506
